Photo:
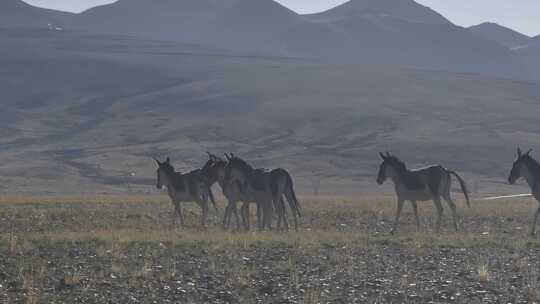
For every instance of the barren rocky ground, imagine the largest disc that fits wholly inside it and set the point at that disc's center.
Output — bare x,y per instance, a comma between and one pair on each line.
125,250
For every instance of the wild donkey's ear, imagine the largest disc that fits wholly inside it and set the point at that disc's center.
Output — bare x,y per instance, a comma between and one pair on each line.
157,162
519,153
210,156
382,156
227,156
528,152
168,161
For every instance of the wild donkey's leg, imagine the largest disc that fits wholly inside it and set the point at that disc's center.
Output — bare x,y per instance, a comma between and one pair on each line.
415,209
293,204
212,200
278,224
268,214
236,217
281,209
533,229
227,215
398,214
284,213
278,208
244,213
174,214
230,209
262,215
202,201
452,205
204,216
209,196
438,205
259,216
178,208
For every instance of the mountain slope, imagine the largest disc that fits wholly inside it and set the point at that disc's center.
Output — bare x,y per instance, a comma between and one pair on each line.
530,57
18,14
112,103
360,31
405,32
505,36
398,9
240,24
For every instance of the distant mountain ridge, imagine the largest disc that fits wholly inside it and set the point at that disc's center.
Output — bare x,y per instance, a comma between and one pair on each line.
360,31
503,35
18,14
398,9
228,23
530,56
388,32
405,32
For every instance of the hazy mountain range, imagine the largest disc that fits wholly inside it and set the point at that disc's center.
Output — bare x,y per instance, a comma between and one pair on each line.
18,14
502,35
399,32
87,99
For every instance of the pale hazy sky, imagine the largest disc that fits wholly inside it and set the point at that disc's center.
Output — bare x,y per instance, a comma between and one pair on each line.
521,15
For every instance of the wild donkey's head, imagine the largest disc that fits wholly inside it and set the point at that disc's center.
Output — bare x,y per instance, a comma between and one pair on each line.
389,168
214,169
164,170
520,164
236,171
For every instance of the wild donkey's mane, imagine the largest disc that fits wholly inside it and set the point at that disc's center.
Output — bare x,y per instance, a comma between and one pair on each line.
397,163
168,168
209,168
219,160
532,164
241,164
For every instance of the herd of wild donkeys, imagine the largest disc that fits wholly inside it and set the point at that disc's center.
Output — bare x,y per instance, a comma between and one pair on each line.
239,182
269,189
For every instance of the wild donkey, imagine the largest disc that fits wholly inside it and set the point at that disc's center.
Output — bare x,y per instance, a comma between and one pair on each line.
527,167
281,186
189,187
251,181
251,184
429,183
214,171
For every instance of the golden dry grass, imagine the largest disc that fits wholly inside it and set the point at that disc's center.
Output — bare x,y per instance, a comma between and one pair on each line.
324,207
94,199
123,240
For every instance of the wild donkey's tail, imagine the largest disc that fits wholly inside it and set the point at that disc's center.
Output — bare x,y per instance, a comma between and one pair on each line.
463,186
291,196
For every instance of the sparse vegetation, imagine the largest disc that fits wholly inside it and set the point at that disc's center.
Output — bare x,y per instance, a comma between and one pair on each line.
483,272
123,248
